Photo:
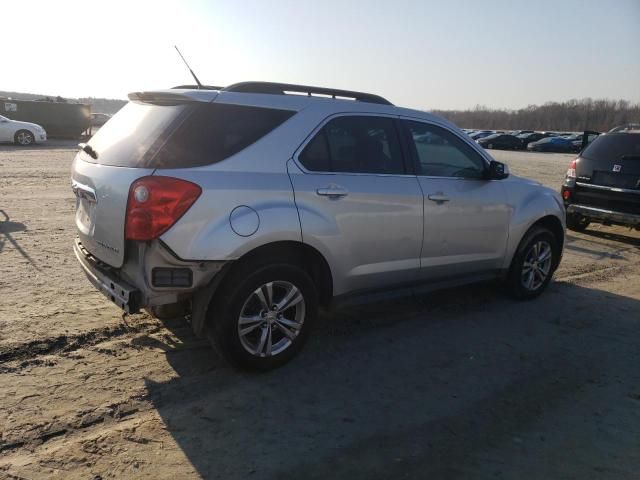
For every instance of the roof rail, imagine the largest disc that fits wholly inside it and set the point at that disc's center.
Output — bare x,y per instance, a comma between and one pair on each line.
625,128
196,87
285,88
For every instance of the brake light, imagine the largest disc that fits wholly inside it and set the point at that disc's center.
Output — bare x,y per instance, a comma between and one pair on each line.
155,204
571,171
566,194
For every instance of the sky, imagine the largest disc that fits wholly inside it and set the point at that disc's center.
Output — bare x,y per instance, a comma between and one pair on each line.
429,54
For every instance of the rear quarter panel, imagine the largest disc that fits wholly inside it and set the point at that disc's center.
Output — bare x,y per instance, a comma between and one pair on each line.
205,231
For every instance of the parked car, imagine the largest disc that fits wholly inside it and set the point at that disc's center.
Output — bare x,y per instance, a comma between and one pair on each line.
603,184
501,141
520,132
527,138
481,134
21,133
99,119
577,140
551,144
250,214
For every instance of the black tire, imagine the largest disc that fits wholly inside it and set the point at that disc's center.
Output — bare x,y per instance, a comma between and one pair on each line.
24,138
577,223
223,315
516,277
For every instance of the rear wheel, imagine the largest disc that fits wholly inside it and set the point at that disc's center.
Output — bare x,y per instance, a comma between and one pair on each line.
533,264
24,138
577,223
262,317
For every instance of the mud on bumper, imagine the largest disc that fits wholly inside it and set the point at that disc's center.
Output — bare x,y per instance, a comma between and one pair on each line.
125,296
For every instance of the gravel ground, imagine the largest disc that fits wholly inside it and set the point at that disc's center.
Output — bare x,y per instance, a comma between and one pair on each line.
458,384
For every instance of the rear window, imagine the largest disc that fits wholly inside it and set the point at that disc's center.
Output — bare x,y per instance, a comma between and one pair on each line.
181,135
614,146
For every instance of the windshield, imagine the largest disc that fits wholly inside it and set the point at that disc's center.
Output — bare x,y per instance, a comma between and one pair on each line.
614,146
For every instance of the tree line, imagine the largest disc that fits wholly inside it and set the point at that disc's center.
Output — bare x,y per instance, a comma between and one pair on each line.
573,115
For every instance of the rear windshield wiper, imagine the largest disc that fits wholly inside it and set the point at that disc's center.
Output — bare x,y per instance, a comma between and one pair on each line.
631,156
88,149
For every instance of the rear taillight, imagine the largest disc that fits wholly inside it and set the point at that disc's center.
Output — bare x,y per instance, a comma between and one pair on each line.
155,204
571,171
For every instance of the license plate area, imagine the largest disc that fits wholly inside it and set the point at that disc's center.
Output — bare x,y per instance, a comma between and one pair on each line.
86,201
85,216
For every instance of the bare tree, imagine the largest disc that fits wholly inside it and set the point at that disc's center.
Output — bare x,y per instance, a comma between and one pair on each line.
572,115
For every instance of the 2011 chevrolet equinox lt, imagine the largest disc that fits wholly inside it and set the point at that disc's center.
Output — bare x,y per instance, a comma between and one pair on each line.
254,205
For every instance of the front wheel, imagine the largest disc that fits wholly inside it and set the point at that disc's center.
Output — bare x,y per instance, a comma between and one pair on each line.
262,317
24,138
533,264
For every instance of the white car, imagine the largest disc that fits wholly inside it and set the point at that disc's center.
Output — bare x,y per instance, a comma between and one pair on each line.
21,133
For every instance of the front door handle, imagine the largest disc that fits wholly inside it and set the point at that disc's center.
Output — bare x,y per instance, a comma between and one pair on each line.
332,192
438,197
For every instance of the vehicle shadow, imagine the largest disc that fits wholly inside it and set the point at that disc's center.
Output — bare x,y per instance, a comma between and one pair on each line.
632,238
7,227
422,387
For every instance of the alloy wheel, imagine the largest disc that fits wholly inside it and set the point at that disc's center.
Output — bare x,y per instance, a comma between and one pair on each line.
25,138
271,318
537,265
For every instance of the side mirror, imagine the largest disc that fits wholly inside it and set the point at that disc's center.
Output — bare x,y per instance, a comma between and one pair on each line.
497,171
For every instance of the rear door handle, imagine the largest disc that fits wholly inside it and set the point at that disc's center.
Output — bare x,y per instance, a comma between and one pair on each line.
332,192
438,197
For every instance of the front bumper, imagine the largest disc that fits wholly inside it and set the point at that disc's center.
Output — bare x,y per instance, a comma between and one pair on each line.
125,296
603,215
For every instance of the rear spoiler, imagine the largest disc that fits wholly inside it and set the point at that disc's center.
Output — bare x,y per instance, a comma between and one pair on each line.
168,97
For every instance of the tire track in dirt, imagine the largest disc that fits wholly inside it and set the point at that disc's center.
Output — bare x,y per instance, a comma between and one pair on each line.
37,435
69,343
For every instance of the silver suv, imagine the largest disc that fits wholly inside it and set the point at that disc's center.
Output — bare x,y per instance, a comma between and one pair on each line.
248,207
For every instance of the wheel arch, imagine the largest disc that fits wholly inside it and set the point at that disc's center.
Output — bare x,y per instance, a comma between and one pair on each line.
550,222
302,254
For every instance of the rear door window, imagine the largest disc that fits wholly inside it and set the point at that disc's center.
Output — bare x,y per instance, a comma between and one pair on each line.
183,135
355,144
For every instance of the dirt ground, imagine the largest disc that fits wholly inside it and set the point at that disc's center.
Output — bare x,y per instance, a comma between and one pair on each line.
458,384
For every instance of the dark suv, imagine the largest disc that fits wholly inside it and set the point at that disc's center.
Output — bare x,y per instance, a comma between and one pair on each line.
603,183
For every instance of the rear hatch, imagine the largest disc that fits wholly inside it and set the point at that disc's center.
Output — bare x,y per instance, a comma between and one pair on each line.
125,149
608,173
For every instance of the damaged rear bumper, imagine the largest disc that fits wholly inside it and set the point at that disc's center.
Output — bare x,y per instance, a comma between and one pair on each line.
125,296
151,276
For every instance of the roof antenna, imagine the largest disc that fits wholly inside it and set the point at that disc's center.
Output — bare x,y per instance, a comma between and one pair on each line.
185,62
